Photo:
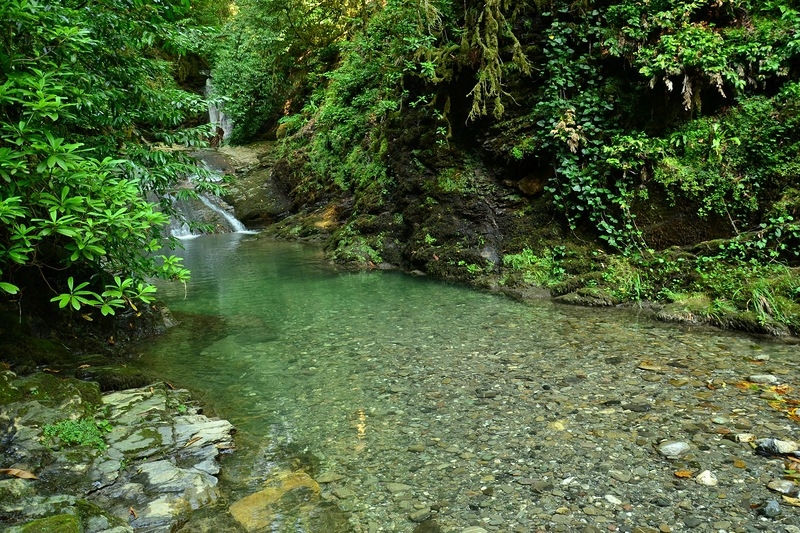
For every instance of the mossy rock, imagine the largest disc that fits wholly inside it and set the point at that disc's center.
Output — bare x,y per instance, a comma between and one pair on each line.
52,390
112,378
63,523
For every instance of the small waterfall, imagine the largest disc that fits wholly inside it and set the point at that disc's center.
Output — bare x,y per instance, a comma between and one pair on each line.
235,225
216,115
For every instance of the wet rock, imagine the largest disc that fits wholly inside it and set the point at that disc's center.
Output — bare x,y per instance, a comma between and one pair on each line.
773,446
771,509
420,515
784,486
144,422
692,521
287,491
673,449
330,477
396,488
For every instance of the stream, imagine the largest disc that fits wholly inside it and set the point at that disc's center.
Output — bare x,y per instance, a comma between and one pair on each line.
378,401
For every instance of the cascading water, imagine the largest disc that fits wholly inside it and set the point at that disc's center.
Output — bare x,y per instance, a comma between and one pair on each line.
235,225
209,210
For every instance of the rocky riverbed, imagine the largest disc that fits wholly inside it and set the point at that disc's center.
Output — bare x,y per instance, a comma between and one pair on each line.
76,460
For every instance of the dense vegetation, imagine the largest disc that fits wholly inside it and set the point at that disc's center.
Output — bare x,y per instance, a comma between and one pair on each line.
618,151
88,104
660,139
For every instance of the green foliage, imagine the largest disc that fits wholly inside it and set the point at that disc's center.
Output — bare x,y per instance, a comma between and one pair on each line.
87,102
543,270
80,432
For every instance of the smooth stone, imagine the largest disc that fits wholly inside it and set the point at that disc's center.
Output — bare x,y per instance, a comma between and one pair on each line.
474,529
706,477
343,493
763,378
329,477
784,486
673,449
395,488
420,515
610,498
692,521
775,446
619,475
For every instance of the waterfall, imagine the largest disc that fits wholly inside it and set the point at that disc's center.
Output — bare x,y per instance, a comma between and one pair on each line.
216,115
235,225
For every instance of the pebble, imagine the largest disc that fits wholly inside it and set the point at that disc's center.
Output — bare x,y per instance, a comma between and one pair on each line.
474,529
673,449
763,378
619,475
784,486
771,509
396,488
692,521
706,477
420,515
773,446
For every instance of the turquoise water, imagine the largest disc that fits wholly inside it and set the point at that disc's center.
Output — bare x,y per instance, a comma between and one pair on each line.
347,370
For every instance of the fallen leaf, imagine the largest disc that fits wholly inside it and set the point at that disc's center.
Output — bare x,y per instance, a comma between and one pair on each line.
51,370
87,318
192,441
792,501
170,385
684,474
133,513
83,366
16,472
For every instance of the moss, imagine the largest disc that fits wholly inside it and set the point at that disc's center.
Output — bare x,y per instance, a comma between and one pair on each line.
49,389
63,523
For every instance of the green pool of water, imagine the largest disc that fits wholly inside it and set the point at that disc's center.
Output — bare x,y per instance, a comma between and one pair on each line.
325,365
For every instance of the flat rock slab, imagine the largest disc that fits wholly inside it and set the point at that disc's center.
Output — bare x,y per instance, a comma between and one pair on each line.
160,462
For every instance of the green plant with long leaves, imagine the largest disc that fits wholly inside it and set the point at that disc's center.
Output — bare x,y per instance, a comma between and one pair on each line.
88,111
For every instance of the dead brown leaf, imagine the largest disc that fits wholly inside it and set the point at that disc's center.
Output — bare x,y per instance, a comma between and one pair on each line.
133,513
16,472
684,474
792,501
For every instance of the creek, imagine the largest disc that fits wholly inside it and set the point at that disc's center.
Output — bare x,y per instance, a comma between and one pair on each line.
422,406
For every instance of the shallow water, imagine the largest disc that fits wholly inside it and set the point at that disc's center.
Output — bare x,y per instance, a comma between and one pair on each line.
377,376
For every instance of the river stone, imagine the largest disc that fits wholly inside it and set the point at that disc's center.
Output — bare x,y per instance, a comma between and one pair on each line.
775,446
673,449
784,486
474,529
771,509
258,511
763,378
395,488
706,477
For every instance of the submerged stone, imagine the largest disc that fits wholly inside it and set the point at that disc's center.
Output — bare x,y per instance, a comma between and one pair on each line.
295,492
673,449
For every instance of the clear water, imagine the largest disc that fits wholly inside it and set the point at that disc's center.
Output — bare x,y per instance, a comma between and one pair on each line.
293,352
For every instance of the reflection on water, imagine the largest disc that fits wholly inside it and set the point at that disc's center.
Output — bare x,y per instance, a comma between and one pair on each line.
301,357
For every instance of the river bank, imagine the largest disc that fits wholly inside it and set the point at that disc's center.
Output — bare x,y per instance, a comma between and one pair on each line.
467,226
76,460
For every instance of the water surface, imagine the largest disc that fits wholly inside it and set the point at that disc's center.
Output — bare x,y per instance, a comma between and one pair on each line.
369,373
